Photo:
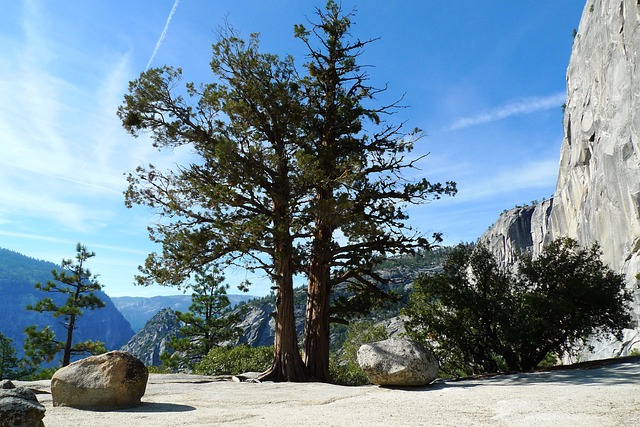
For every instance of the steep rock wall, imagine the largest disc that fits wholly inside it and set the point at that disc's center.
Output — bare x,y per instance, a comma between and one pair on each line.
521,229
151,341
597,197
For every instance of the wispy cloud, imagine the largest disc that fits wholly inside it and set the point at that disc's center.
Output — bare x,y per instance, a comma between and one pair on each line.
164,33
70,243
31,236
540,175
513,108
63,148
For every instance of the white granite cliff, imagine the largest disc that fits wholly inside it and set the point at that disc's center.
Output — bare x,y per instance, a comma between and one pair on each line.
597,197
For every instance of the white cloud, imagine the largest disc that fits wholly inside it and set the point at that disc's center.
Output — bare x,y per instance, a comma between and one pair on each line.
541,175
513,108
36,237
63,148
90,245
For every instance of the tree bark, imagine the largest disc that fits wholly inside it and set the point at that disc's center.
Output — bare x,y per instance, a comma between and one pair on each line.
317,322
66,358
287,362
316,330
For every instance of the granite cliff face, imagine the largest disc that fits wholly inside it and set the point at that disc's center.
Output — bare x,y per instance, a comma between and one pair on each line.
151,341
519,230
598,192
597,197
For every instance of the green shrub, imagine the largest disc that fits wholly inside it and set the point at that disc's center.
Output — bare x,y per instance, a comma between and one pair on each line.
42,374
346,373
235,360
159,369
343,364
483,318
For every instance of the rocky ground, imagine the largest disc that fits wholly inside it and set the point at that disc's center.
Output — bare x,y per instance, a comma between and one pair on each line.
600,395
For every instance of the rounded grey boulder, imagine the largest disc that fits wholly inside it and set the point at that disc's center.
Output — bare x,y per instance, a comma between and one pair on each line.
398,362
108,381
19,407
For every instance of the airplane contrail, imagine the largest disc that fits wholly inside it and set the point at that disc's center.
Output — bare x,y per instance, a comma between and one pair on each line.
518,107
164,33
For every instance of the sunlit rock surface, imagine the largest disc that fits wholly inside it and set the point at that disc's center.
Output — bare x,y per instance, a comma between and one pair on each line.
597,197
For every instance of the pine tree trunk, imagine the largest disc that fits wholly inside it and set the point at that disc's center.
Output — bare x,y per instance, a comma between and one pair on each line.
316,329
287,362
66,358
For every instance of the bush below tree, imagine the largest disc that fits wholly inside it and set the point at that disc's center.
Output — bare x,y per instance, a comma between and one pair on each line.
235,360
481,318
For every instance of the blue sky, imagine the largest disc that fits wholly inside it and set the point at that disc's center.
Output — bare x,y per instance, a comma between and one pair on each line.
485,80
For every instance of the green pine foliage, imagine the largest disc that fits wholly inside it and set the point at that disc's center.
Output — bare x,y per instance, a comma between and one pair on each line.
238,203
235,360
207,324
356,165
79,286
9,363
480,318
343,364
18,275
297,173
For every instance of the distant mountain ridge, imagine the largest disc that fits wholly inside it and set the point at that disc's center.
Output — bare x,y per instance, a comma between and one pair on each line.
138,310
152,340
18,274
257,321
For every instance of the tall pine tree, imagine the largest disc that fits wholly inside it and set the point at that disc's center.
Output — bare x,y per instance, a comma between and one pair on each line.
357,214
236,203
207,323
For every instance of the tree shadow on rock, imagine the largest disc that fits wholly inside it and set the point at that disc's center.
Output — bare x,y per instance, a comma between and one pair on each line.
608,372
159,407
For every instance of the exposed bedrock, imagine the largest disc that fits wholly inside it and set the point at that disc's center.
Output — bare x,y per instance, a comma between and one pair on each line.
597,197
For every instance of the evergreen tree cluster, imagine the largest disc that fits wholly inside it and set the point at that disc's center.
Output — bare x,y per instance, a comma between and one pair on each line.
298,173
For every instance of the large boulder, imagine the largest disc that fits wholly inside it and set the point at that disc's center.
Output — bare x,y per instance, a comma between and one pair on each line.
398,362
19,407
108,381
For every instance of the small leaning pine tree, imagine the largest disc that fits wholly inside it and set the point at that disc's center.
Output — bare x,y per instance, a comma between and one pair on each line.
79,285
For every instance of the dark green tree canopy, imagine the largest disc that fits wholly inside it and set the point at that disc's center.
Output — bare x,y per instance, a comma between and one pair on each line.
240,202
221,207
294,173
357,170
9,363
484,319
